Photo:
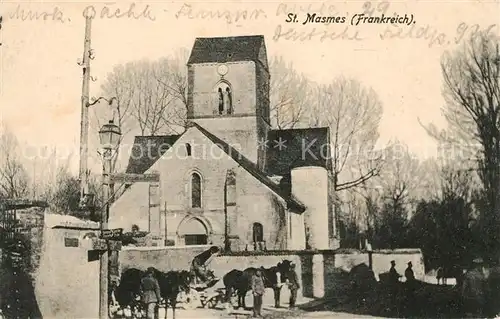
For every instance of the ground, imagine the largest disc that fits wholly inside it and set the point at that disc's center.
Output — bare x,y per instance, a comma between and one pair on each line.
426,300
268,312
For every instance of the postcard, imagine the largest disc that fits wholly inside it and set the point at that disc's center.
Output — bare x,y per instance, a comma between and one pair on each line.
230,159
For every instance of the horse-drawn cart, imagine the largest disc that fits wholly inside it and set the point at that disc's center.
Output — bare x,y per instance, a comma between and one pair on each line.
204,295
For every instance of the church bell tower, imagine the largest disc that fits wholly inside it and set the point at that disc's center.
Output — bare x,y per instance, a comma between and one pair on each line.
228,92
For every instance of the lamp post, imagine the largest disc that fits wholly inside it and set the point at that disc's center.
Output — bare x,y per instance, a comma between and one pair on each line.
109,136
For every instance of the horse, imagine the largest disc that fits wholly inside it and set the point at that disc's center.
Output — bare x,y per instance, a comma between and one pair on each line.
240,281
443,273
171,284
128,290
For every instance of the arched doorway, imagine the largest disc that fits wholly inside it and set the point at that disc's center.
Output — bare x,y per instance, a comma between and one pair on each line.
193,232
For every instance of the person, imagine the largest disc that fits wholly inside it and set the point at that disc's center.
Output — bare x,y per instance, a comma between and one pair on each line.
410,285
135,230
293,286
473,290
393,273
150,293
410,276
258,289
19,302
394,286
200,262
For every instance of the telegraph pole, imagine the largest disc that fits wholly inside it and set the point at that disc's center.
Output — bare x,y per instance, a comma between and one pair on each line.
84,124
104,258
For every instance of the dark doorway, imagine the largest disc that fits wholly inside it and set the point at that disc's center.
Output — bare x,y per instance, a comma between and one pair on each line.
195,239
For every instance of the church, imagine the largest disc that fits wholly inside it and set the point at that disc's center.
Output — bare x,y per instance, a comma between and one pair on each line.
231,179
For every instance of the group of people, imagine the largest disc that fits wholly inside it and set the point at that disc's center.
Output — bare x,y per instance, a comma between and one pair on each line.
477,293
150,289
258,289
394,276
409,286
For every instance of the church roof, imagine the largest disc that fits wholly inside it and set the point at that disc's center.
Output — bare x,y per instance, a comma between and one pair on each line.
147,150
300,147
141,160
226,49
250,167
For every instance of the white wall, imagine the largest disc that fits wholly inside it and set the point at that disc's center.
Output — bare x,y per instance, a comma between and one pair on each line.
66,285
310,186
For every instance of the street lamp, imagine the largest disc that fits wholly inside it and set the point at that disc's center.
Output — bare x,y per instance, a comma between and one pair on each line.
109,136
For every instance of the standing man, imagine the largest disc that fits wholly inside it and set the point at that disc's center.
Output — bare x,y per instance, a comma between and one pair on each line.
293,286
258,289
410,276
410,288
393,274
200,262
150,293
394,287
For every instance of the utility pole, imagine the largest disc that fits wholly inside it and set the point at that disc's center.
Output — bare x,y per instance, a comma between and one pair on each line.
227,246
104,260
84,124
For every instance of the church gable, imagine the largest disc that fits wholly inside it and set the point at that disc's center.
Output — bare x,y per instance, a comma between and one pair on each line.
292,202
139,163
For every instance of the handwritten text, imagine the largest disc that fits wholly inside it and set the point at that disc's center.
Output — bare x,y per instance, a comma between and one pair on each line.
318,8
433,35
293,34
375,10
55,14
230,16
114,11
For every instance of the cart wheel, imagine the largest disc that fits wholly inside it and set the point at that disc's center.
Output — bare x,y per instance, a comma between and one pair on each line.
190,301
212,303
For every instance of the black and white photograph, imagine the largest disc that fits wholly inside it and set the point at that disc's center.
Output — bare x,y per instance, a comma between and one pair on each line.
249,159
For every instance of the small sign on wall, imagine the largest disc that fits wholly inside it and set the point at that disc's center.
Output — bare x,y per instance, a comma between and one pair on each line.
93,255
71,242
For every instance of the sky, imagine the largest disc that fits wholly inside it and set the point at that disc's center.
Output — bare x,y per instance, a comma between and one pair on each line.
41,81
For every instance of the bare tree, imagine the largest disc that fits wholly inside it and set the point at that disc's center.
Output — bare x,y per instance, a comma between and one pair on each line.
176,84
352,112
290,94
14,179
472,92
150,95
457,183
46,166
402,176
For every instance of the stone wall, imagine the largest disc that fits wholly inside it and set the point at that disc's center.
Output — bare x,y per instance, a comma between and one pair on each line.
67,283
242,79
321,273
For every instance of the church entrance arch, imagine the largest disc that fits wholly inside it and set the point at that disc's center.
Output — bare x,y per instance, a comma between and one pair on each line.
193,231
